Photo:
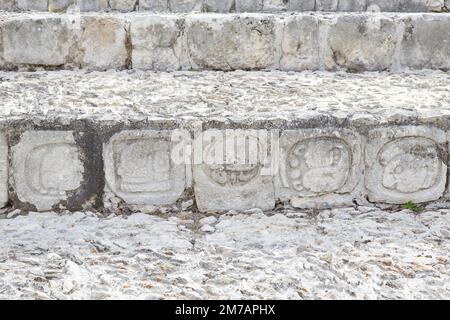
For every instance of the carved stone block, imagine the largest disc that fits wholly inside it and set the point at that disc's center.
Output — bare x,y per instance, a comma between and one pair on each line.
230,175
139,168
319,167
46,168
406,164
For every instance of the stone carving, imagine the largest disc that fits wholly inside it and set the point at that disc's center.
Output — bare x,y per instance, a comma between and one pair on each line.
53,169
230,175
46,168
3,170
139,169
406,164
319,167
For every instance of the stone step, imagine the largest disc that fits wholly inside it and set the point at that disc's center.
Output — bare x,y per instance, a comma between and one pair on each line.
337,41
226,6
234,140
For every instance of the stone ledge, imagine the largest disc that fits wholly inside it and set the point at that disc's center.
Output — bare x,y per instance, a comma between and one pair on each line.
289,42
225,6
87,140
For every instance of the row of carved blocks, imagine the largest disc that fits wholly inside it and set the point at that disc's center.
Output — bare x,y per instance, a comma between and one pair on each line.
317,168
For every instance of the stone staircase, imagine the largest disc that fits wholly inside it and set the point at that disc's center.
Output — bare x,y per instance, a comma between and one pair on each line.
223,105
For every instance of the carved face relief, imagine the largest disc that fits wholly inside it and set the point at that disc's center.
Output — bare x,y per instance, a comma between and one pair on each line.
410,164
53,169
319,165
143,165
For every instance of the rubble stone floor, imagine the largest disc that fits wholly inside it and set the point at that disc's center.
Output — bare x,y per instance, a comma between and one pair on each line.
351,253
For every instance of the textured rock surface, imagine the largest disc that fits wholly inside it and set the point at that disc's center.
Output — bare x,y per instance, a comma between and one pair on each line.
130,117
365,99
139,168
46,168
228,5
167,42
333,254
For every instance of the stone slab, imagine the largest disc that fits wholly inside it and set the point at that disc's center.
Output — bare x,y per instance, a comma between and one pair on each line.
169,42
226,177
320,168
406,164
46,168
139,168
85,109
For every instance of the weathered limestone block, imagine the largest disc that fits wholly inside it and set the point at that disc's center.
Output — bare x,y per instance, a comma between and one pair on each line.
361,42
327,5
103,43
275,5
7,5
249,5
156,42
406,164
351,5
139,168
426,42
35,5
300,43
319,168
222,6
60,5
230,174
44,41
153,5
46,168
185,5
301,5
3,170
229,42
404,5
123,5
93,5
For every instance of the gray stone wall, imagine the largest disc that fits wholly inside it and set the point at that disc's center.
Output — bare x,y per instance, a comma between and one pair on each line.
225,6
354,41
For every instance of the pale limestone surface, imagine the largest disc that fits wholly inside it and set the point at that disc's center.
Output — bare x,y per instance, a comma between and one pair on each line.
139,168
228,5
46,167
103,43
230,184
406,164
363,99
230,42
4,166
167,42
156,43
38,40
362,253
320,168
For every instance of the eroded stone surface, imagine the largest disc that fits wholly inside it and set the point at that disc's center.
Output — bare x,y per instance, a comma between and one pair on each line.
46,168
300,44
239,97
3,170
230,176
231,42
319,168
156,42
103,43
139,168
38,41
361,42
406,164
426,47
